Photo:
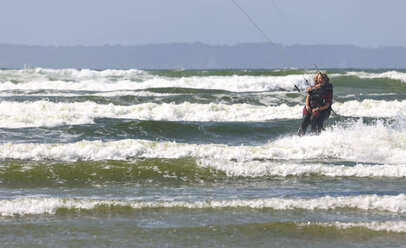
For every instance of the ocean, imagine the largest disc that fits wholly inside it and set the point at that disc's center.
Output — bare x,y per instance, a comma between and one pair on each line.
195,158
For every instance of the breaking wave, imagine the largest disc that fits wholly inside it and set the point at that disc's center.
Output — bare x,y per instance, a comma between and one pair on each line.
387,226
395,75
353,141
45,113
263,168
138,80
50,205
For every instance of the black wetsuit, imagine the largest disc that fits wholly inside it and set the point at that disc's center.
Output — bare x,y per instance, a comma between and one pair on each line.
318,97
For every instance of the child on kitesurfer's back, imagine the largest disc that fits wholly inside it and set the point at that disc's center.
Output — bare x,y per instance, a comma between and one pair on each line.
318,104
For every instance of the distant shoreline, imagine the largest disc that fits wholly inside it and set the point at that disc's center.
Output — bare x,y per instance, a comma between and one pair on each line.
200,56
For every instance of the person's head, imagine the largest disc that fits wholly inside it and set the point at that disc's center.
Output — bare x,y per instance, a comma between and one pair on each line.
321,78
316,78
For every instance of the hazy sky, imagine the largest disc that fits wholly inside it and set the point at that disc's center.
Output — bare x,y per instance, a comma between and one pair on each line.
132,22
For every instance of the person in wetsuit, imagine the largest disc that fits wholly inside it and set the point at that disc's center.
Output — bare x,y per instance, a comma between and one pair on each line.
318,104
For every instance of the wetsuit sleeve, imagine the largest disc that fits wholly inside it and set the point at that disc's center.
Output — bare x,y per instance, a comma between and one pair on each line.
328,94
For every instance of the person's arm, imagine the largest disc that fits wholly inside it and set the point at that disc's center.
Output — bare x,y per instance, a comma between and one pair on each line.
325,106
317,86
308,103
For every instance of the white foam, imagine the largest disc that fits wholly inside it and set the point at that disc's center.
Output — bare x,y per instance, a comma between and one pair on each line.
396,75
87,80
371,108
84,85
49,205
387,226
42,74
236,83
99,94
354,141
267,168
369,94
111,80
45,113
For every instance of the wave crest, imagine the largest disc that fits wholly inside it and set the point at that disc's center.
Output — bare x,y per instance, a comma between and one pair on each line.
50,205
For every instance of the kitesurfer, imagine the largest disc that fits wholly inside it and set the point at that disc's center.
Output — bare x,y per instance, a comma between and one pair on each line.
318,104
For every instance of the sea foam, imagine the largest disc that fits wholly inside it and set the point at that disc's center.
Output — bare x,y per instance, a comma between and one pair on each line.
87,80
354,141
49,205
371,108
395,75
112,80
45,113
267,168
387,226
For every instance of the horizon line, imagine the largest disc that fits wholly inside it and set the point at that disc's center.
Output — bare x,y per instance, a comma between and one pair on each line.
193,43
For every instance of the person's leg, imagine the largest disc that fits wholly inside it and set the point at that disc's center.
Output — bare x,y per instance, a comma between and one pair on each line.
323,116
305,122
315,122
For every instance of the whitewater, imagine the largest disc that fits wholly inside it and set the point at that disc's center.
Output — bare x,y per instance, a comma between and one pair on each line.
154,155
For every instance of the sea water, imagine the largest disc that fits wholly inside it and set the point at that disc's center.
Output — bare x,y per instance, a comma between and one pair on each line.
136,158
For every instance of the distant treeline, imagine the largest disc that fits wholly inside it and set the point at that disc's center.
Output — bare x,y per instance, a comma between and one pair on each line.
201,56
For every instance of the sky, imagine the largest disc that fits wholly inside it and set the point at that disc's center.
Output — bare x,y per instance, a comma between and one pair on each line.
365,23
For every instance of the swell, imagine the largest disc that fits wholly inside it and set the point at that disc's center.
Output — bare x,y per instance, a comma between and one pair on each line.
201,73
283,234
184,171
30,174
106,129
158,96
313,229
345,141
51,205
356,82
45,113
81,232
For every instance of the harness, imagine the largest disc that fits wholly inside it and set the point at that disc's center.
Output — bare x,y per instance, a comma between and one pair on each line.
328,94
316,98
321,96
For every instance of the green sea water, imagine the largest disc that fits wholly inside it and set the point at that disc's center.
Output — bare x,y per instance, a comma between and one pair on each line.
133,158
